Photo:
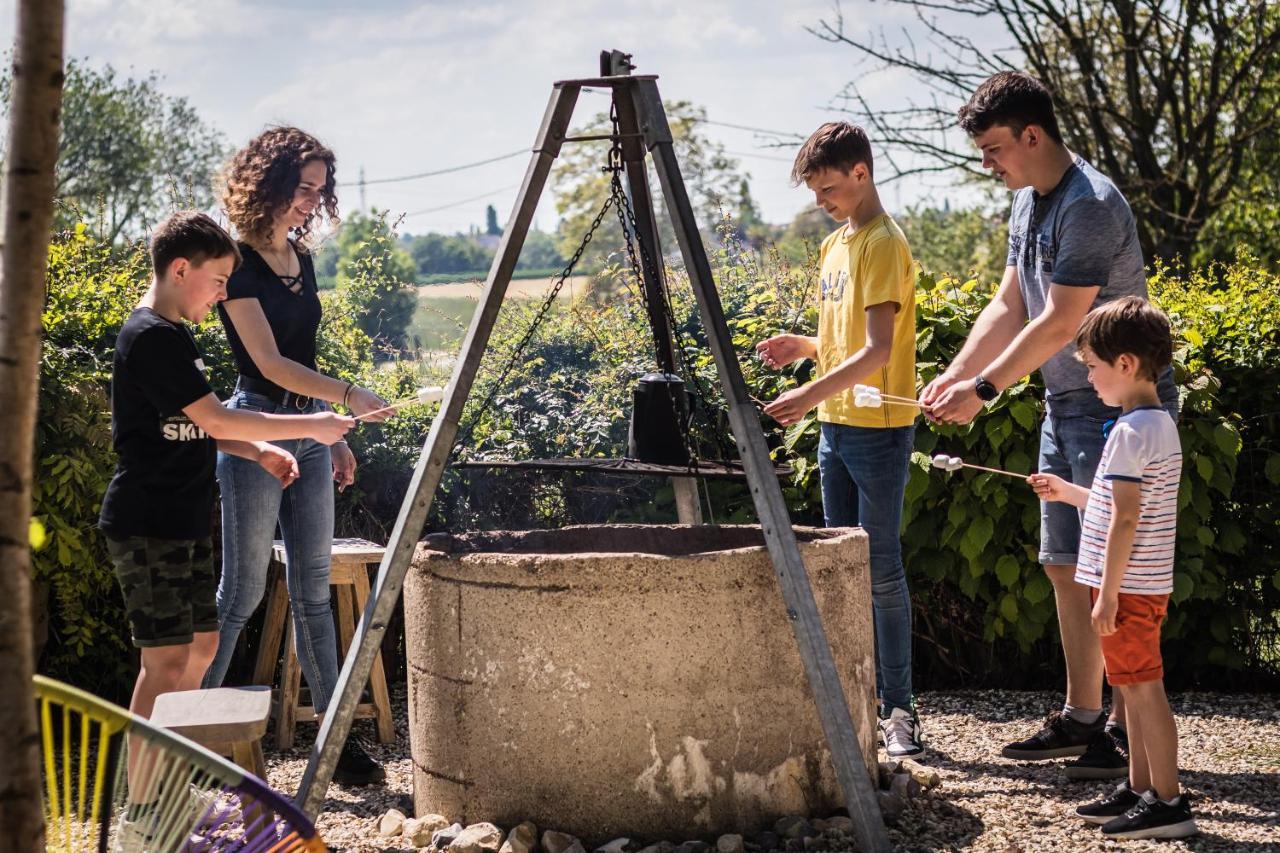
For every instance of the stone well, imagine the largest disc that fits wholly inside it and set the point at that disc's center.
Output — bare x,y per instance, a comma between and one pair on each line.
629,680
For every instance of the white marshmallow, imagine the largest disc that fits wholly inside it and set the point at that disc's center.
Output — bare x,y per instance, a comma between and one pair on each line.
955,463
941,460
430,395
860,388
860,399
874,401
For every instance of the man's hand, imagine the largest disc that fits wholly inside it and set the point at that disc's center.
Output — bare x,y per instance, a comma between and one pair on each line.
1104,615
792,405
344,465
278,463
781,350
958,404
934,390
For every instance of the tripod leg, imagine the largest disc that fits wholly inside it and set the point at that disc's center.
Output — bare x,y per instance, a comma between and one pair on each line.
688,509
431,462
815,651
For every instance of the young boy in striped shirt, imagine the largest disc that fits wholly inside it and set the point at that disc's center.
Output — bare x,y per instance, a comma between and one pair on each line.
1126,557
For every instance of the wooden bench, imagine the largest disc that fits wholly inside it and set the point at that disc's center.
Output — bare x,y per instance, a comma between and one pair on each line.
227,720
349,577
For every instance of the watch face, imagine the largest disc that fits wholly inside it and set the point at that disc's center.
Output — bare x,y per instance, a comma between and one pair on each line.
986,391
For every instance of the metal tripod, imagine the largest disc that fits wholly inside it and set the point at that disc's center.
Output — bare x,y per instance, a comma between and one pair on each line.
643,122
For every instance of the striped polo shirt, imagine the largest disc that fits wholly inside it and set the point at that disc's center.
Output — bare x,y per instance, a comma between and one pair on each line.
1143,448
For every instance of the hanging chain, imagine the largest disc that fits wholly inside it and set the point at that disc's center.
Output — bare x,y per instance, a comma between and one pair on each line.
464,434
626,214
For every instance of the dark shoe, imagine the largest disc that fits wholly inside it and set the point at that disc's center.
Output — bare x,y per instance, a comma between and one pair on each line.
1150,818
1106,757
1061,737
1111,806
355,767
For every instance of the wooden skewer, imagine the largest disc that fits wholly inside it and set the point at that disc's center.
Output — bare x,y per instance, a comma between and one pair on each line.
389,408
994,470
884,396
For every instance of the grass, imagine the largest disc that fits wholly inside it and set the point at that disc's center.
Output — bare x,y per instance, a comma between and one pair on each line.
444,310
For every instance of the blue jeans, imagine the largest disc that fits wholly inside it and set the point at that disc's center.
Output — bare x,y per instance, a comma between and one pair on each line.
864,479
252,502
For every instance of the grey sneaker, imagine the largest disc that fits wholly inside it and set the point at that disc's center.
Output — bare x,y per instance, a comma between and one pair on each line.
902,734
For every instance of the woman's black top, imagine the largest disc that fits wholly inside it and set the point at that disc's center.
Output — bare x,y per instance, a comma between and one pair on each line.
294,318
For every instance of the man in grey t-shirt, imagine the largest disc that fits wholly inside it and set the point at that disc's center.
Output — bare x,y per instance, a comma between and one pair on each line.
1073,245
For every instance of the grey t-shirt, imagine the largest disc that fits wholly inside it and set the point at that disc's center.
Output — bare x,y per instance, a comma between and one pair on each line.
1079,234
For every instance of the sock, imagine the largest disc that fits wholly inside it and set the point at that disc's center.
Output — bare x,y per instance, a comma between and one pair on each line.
1085,716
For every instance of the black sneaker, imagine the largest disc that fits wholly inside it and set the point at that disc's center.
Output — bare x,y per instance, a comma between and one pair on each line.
1151,818
1106,757
1061,737
355,767
1111,806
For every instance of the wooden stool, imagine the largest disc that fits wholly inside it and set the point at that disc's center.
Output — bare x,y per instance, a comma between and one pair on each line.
226,720
349,575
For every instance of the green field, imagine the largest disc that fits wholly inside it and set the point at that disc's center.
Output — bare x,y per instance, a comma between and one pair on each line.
444,310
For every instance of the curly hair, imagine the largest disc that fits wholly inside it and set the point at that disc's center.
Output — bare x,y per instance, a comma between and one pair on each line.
260,180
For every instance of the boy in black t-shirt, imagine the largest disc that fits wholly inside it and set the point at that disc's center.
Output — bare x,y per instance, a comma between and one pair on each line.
166,426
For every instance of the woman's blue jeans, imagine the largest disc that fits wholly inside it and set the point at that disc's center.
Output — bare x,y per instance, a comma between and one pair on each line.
252,502
864,479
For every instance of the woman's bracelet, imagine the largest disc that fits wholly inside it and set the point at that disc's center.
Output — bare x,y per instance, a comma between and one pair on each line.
347,393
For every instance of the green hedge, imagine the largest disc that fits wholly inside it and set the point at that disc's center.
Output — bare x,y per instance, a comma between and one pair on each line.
984,610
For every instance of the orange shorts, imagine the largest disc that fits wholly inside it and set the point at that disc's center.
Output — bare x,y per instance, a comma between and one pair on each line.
1132,653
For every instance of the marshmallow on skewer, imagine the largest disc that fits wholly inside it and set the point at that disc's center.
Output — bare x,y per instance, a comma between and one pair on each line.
867,400
947,463
431,394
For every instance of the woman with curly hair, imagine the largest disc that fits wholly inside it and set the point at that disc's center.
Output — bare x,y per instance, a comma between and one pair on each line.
283,182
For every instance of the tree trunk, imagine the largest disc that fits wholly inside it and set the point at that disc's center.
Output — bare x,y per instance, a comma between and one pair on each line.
26,214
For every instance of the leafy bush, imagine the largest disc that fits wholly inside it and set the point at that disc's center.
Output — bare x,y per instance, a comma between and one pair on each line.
984,608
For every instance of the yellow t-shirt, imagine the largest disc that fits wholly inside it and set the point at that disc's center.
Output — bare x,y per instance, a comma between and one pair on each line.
867,267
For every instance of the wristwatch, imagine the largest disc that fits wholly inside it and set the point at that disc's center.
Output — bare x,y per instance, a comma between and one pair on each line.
986,391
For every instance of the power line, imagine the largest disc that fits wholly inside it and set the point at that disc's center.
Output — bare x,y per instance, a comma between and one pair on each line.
435,172
461,202
786,133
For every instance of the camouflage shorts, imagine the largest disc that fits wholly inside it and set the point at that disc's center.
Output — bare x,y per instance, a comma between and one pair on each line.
169,588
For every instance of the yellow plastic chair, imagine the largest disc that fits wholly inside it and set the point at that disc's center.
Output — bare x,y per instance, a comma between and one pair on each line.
185,798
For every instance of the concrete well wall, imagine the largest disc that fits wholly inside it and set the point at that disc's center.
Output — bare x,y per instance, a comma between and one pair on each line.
630,680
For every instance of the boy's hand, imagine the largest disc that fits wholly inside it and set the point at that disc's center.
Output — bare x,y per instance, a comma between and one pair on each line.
277,462
1104,615
327,427
792,405
1048,487
344,465
781,350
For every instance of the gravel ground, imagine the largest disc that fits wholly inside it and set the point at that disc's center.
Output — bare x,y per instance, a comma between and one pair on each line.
1230,748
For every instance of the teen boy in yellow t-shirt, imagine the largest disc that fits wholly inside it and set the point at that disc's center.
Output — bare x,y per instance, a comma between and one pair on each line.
866,334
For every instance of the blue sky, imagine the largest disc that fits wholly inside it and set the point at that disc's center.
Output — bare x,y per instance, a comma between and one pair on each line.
401,88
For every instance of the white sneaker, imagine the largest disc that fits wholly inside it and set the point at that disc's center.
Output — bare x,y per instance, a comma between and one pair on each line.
902,734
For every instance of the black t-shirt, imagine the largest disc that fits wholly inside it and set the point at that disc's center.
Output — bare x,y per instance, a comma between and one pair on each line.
294,318
163,485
